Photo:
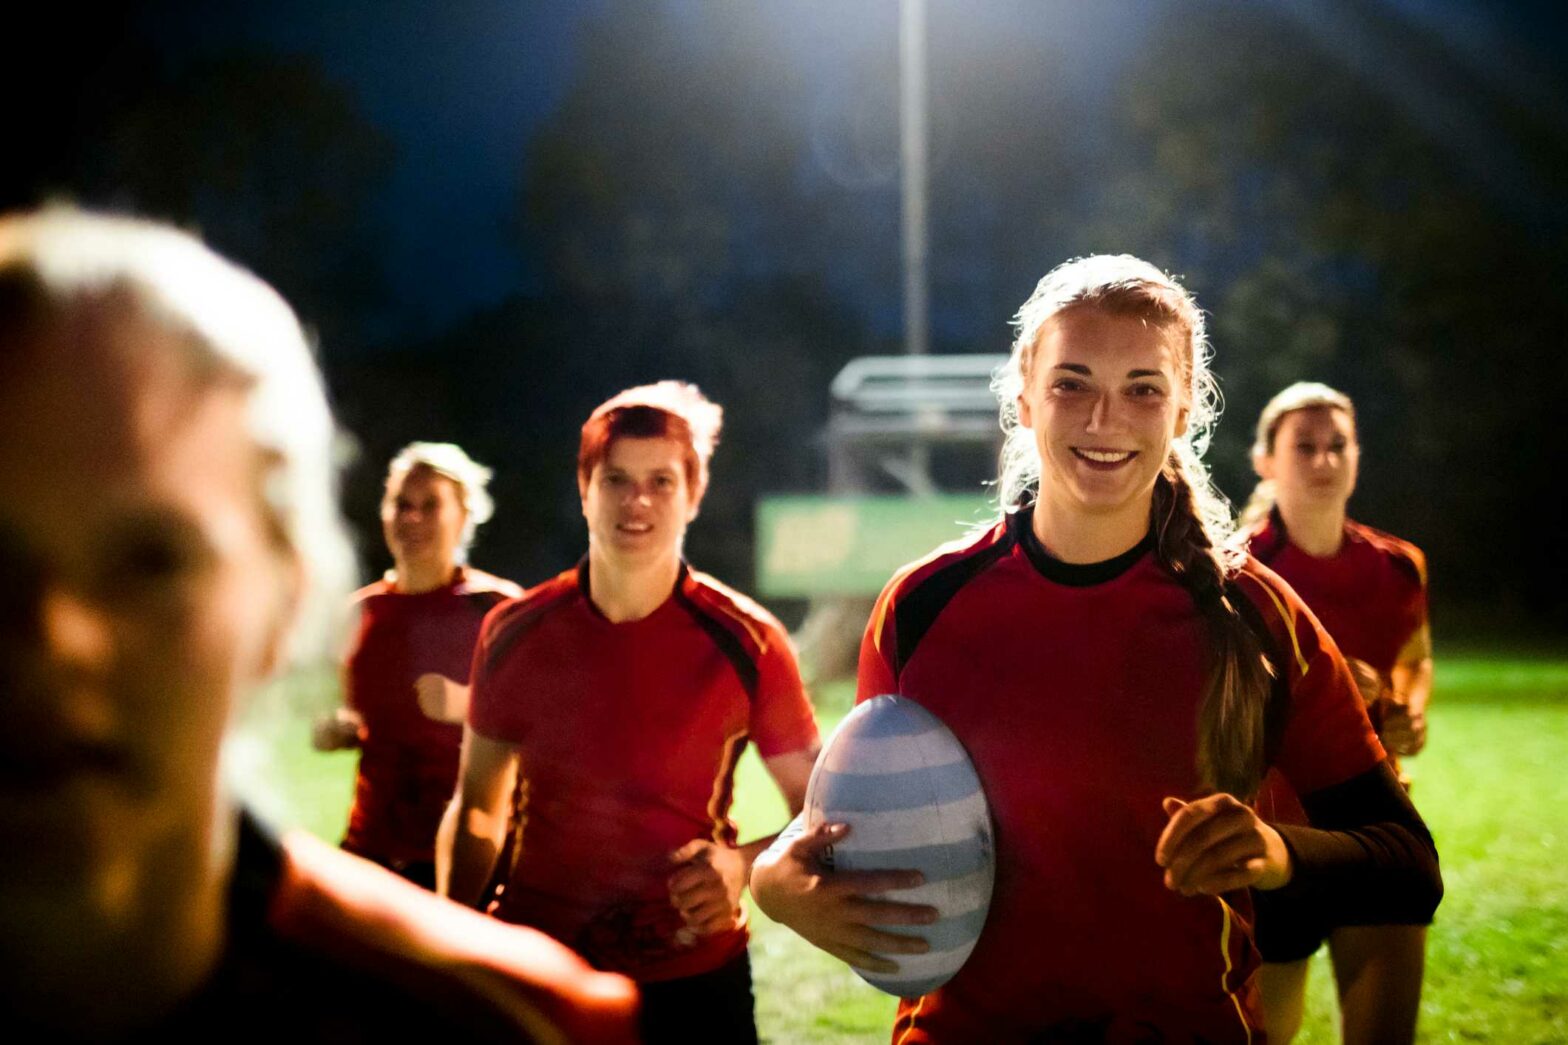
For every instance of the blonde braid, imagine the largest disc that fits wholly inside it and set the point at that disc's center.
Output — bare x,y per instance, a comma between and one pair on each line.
1259,504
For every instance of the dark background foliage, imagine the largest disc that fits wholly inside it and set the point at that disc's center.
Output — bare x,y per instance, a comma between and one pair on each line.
1363,193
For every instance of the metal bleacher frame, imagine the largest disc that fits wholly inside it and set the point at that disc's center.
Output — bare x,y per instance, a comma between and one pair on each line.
888,412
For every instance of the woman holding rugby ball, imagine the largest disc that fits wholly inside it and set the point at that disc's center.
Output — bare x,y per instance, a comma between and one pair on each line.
1369,591
1121,682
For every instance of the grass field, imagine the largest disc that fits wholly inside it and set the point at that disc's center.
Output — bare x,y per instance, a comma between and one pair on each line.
1493,785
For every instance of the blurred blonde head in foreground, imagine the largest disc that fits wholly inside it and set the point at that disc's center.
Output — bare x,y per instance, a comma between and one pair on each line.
170,542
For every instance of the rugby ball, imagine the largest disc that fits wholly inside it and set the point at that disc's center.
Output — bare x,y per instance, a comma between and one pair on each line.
905,786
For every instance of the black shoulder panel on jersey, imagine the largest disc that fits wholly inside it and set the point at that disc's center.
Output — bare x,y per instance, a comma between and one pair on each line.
520,622
1278,538
728,642
917,609
1404,563
482,602
1278,710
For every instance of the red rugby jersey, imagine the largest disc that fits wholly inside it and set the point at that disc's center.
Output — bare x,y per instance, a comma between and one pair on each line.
1075,690
629,734
1370,595
408,762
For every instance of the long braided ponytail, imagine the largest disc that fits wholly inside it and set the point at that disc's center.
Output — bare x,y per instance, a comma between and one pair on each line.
1232,716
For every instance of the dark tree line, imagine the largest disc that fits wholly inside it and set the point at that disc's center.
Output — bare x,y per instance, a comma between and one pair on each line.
705,205
1337,233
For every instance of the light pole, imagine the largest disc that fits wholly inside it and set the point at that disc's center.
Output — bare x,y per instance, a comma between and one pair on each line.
912,141
912,147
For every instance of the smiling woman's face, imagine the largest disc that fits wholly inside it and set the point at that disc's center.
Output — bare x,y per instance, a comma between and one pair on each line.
145,592
1104,397
422,518
637,501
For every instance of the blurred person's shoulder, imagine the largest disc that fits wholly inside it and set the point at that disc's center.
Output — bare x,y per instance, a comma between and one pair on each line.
476,583
325,946
371,592
510,617
1403,556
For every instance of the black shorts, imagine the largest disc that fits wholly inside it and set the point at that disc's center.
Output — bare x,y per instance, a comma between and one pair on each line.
1288,929
712,1006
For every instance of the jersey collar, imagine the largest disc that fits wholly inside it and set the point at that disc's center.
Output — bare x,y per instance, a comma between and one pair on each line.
1020,526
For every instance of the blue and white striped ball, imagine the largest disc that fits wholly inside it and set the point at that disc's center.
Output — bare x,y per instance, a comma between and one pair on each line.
905,786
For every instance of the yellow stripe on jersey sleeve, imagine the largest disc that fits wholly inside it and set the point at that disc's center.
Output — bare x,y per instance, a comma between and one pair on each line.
1290,624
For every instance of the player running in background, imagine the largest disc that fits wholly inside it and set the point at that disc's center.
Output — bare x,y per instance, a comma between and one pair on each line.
169,526
1369,591
619,697
1121,684
406,674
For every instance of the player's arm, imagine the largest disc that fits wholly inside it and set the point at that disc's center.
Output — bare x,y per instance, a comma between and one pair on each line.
1367,856
442,699
1404,722
837,911
342,729
1367,850
1367,853
706,884
842,912
475,823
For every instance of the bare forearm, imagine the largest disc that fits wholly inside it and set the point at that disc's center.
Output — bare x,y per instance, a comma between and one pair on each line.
466,849
1412,674
791,772
476,821
755,848
1413,685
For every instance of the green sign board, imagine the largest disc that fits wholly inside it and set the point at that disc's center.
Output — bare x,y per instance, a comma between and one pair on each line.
815,545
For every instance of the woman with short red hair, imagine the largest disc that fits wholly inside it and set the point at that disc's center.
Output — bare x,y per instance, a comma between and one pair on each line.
609,708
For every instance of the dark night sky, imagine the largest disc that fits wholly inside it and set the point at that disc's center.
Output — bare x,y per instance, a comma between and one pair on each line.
1034,158
460,86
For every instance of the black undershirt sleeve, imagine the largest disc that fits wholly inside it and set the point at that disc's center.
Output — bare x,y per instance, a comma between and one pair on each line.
1368,858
